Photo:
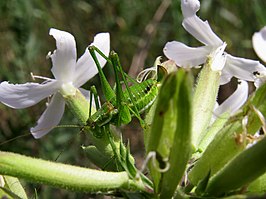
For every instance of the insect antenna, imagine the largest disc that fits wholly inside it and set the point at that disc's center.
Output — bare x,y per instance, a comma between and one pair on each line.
15,138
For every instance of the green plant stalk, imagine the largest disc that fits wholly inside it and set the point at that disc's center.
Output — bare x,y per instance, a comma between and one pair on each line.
78,105
217,125
64,176
246,167
204,99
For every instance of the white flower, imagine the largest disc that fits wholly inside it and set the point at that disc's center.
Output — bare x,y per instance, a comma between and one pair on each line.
234,102
69,74
259,45
186,56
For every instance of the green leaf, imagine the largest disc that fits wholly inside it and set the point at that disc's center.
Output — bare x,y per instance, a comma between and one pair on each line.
12,188
181,148
170,135
166,93
162,119
257,100
227,143
258,185
246,167
202,185
221,150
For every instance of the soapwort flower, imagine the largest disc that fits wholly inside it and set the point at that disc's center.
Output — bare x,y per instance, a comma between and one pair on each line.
69,74
259,45
185,56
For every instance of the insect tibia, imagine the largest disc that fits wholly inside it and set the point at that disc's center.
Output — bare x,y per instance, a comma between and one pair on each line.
94,49
107,90
115,60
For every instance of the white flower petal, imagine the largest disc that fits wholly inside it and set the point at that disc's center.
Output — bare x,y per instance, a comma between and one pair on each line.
235,101
86,67
218,58
50,118
260,80
259,43
64,57
25,95
225,77
184,55
244,69
189,7
202,31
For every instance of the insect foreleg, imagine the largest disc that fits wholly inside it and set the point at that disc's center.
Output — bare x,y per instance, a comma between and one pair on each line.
107,90
117,67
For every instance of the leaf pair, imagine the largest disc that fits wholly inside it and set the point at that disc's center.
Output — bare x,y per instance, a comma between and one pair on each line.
170,135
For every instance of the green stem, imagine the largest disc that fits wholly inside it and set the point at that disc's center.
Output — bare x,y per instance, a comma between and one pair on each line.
79,106
64,176
203,101
103,143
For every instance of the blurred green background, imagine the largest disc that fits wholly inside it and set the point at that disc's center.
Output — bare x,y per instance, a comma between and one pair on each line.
139,30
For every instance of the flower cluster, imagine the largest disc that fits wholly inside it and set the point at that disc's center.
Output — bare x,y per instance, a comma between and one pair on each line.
241,68
186,56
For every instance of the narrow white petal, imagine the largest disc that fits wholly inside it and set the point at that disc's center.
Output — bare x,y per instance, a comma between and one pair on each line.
244,69
86,68
260,80
64,57
50,118
218,58
184,55
202,31
225,77
259,43
235,101
24,95
189,7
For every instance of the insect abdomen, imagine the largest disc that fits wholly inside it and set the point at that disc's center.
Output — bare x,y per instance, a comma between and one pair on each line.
144,94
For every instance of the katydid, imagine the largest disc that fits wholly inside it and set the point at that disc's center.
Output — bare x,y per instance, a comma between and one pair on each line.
121,105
